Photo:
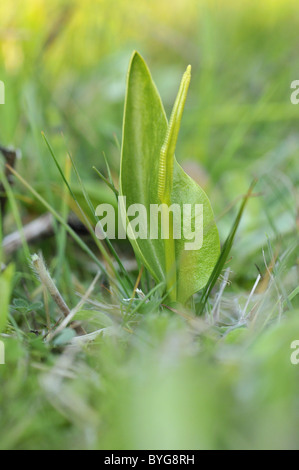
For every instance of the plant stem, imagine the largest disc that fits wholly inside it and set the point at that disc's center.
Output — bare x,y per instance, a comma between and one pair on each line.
165,181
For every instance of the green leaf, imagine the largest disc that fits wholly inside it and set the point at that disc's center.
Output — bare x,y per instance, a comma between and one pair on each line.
6,278
20,304
64,337
150,174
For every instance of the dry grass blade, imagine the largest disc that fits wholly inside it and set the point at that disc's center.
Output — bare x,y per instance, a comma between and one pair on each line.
74,311
47,281
10,156
38,228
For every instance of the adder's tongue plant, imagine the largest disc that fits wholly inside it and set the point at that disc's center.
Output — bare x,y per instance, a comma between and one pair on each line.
150,176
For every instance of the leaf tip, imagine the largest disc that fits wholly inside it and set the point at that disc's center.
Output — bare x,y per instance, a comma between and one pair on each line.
136,57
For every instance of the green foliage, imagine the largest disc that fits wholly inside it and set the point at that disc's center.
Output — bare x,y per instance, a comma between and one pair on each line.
6,284
147,376
226,249
145,168
183,396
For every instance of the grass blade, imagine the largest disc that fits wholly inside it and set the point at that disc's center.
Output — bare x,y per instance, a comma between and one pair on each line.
59,219
100,245
223,255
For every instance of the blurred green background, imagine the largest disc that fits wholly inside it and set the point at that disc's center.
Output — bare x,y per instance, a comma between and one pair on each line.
64,66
